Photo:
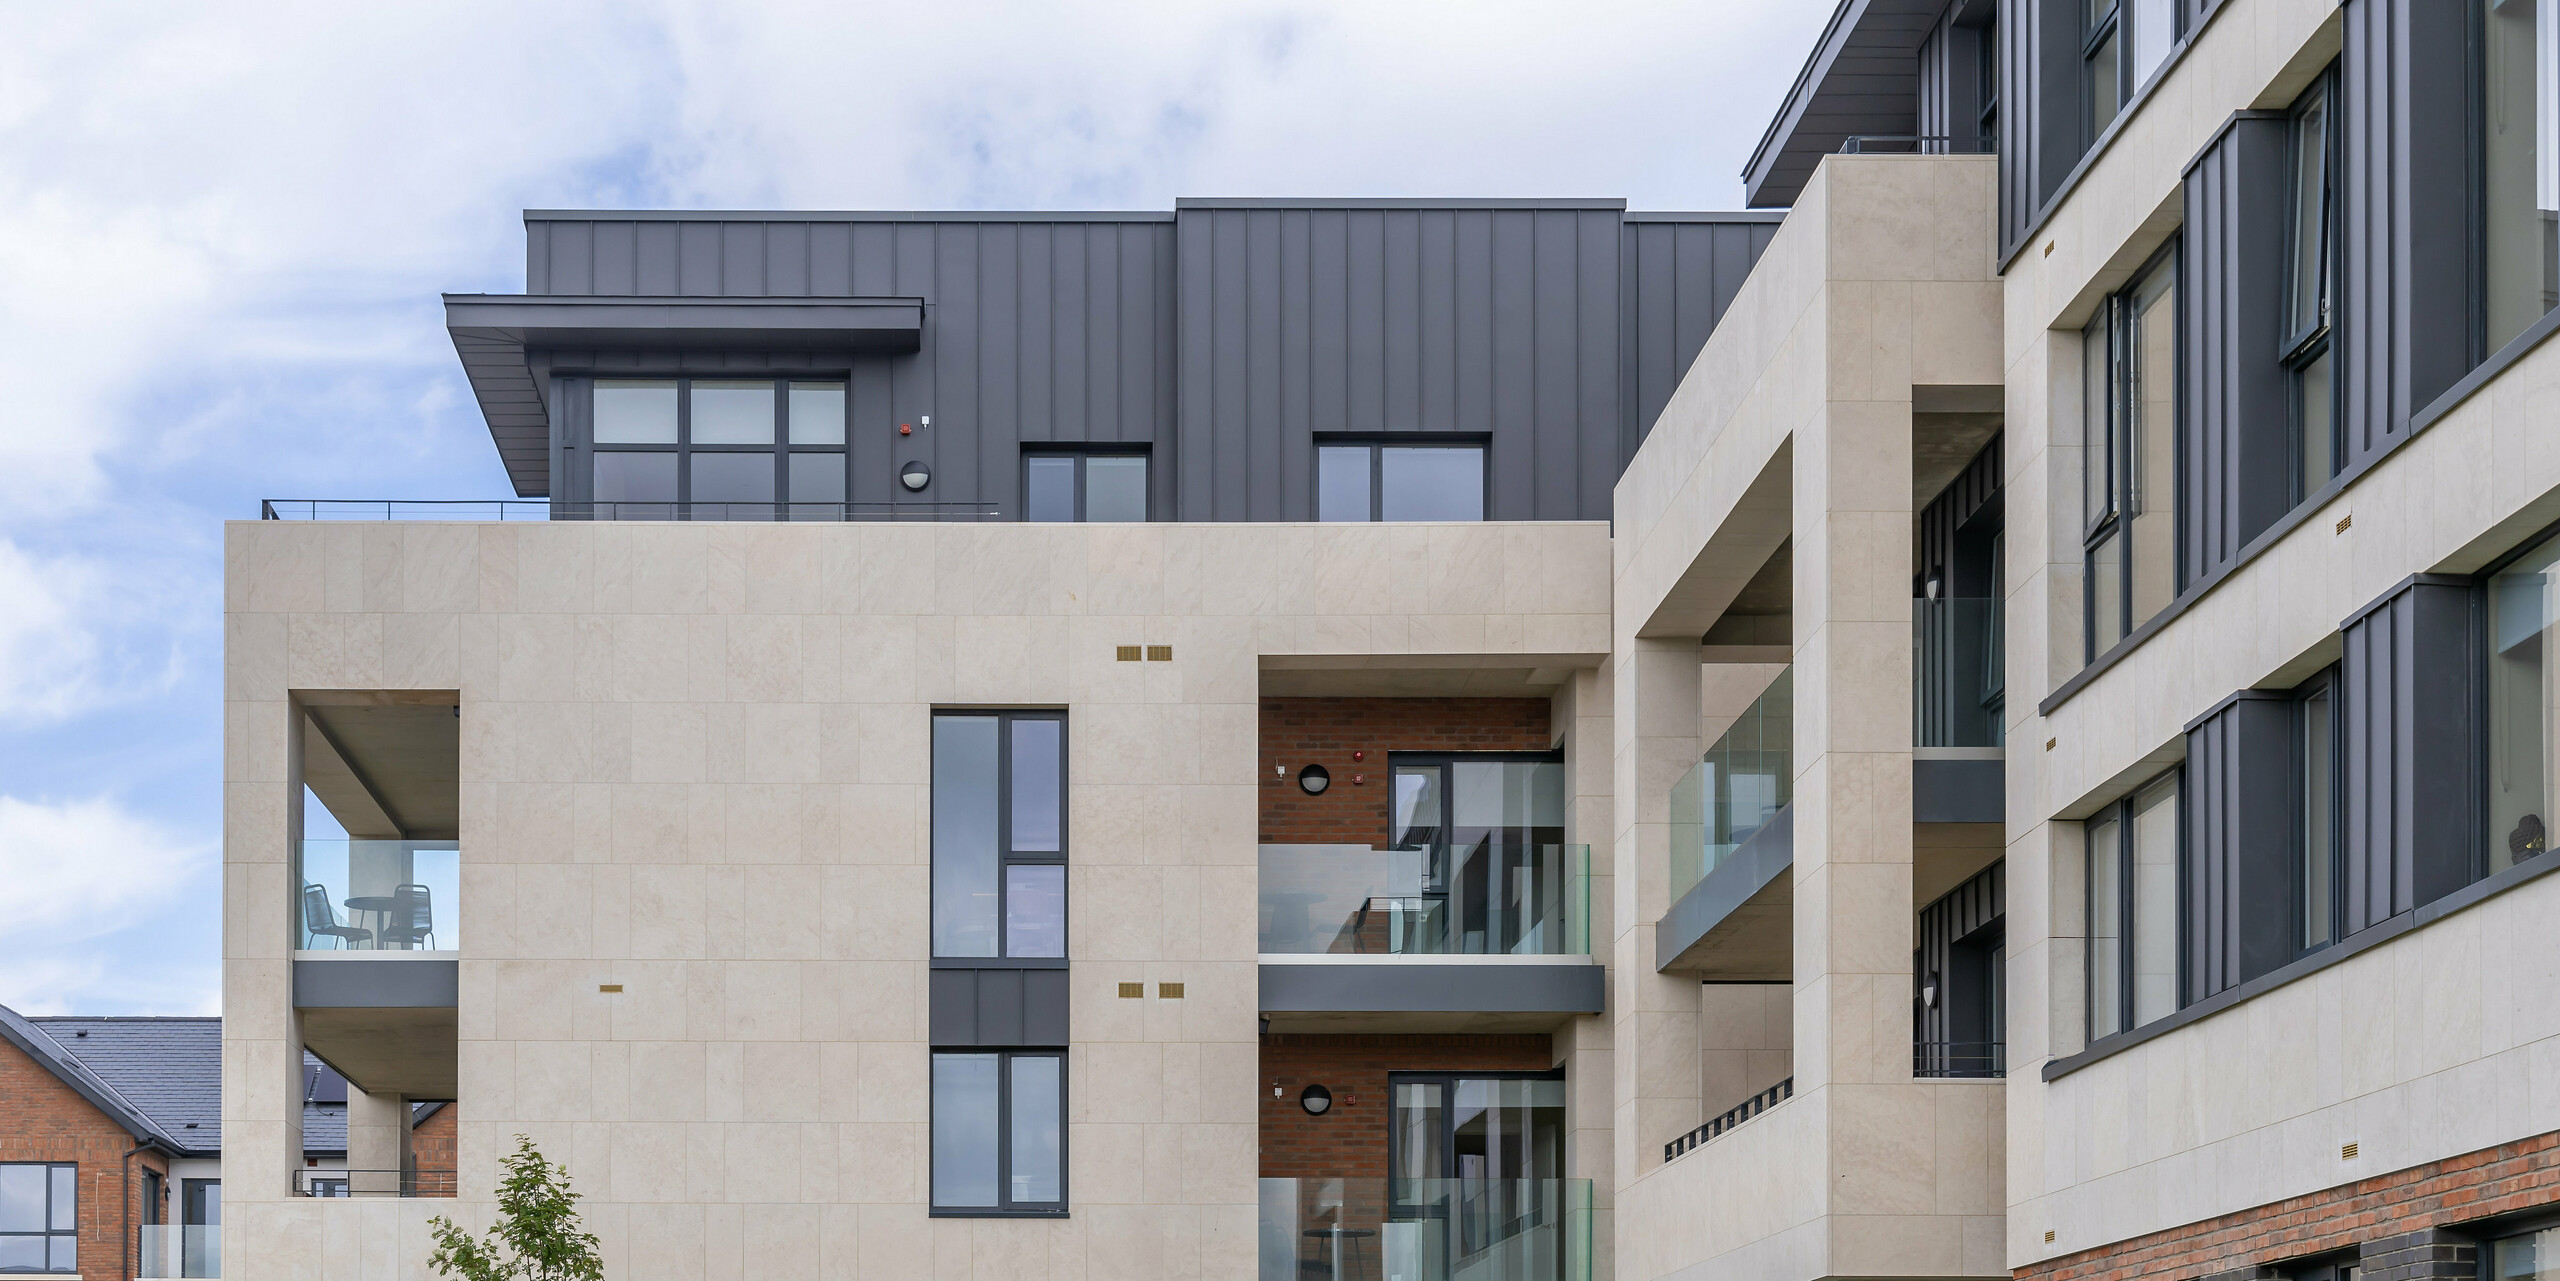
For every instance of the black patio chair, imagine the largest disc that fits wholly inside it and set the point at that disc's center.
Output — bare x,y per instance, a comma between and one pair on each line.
320,919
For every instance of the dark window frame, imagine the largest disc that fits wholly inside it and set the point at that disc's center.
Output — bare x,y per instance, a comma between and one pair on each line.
1449,1078
783,449
46,1233
1377,445
1006,1207
1082,454
2328,685
2121,811
2113,24
1007,857
1988,118
2123,495
2306,341
2483,699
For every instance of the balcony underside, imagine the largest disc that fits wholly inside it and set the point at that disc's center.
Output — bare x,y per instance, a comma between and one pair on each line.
385,1024
1737,924
1308,995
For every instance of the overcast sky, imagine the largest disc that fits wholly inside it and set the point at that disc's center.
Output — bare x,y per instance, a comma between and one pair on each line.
223,230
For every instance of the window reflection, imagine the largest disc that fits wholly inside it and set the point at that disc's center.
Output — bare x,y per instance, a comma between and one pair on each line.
2523,722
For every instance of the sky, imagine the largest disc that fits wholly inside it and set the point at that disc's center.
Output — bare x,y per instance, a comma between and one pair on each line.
223,230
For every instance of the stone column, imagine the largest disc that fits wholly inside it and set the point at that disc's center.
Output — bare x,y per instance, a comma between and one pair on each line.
1656,1017
1581,716
377,1142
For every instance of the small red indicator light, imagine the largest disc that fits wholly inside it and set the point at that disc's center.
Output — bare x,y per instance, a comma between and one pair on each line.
905,429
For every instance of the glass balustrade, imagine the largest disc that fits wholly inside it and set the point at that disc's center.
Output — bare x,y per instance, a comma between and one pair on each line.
378,896
168,1250
1426,1229
1957,672
1745,778
1487,897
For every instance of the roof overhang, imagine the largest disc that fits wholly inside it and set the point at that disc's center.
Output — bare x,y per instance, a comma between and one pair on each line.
32,1041
498,335
1863,78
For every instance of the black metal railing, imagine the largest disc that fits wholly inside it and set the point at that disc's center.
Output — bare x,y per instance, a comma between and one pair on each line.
373,1183
1733,1116
548,509
1926,144
1959,1059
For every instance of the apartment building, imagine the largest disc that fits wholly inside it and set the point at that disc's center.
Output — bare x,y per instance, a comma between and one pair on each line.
1543,702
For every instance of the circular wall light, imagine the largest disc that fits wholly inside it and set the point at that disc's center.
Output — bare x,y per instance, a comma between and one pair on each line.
1316,1099
1929,990
915,476
1313,780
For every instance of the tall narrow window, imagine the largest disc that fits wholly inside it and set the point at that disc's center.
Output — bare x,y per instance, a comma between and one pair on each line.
2318,879
2129,455
39,1217
999,1132
999,835
1393,480
2524,723
2123,44
2133,910
2519,172
1069,486
2312,221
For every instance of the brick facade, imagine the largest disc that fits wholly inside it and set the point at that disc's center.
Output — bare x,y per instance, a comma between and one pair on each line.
1297,732
431,1151
2395,1222
42,1119
1350,1141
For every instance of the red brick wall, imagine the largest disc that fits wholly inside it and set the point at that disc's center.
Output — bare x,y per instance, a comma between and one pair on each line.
1350,1141
1298,732
41,1119
431,1151
2475,1185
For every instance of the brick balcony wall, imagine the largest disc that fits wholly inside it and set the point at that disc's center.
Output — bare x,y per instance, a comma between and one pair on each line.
1298,732
1350,1141
2395,1222
41,1119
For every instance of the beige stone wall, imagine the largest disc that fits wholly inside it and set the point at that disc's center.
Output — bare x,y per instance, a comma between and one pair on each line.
694,763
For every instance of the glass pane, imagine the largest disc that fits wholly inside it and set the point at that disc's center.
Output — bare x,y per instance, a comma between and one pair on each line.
2155,28
2155,903
1115,489
816,478
2310,206
817,414
1049,488
635,477
66,1202
1037,778
964,836
635,411
2531,1257
2103,95
733,478
1342,482
2106,930
2315,426
2096,12
1430,484
1507,1129
2521,717
1035,910
2096,455
2151,499
22,1254
2319,834
732,413
2517,182
66,1253
204,1201
2106,594
964,1129
1419,1121
1037,1104
1417,802
22,1190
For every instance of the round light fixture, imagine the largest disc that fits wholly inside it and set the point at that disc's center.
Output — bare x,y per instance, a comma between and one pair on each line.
1313,780
1316,1099
1929,990
915,476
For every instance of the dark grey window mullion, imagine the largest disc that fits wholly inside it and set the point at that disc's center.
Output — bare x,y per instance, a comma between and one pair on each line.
781,449
684,448
2125,924
1377,483
1079,489
1004,877
1004,1081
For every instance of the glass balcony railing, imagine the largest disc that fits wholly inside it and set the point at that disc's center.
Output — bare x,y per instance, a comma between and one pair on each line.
1426,1229
379,896
1744,779
548,509
1490,899
171,1250
1957,671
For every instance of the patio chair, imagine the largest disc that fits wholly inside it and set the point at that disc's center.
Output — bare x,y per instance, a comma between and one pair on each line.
320,919
413,921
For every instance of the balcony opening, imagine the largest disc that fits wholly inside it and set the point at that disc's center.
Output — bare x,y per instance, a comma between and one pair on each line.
1958,650
1960,1000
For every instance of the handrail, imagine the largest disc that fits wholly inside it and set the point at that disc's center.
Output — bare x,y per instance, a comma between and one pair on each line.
1733,1116
466,509
1855,144
1959,1059
373,1183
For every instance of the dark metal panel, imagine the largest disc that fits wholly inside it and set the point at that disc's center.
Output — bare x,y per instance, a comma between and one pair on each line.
997,1003
1053,343
786,262
1962,912
1478,359
1297,368
698,258
1514,417
1400,307
2412,748
1959,791
537,256
2242,797
1455,987
655,254
742,259
1436,346
1681,276
368,984
617,259
1553,322
1600,401
570,260
875,256
831,258
2231,298
998,423
1328,306
1364,323
1259,451
955,387
1196,278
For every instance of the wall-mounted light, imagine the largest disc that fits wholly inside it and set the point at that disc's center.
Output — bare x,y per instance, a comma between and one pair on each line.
915,476
1316,1099
1929,990
1313,780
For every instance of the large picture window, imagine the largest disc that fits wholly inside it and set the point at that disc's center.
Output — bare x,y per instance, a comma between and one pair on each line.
719,449
2519,170
999,1132
2133,910
39,1217
1000,834
2524,722
1387,480
2311,258
2129,457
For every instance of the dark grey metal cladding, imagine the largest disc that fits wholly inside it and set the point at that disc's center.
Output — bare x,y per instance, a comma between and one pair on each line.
2231,295
1038,328
1766,856
1863,77
2242,797
1959,913
2044,125
876,326
370,984
1433,987
1945,790
2412,744
998,1006
1677,275
1490,319
2404,327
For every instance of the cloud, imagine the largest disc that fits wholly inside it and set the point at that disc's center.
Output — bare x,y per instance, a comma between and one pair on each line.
81,884
81,633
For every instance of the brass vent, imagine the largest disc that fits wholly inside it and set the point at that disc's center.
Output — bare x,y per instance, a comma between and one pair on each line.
1128,653
608,987
2347,1152
2346,522
1159,653
1132,991
2048,1236
1169,991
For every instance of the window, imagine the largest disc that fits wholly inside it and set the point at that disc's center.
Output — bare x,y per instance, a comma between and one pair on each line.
719,449
2129,456
1084,487
999,834
2312,219
2519,172
1476,1162
2319,879
1988,59
2523,719
2133,910
2124,42
1399,481
2527,1256
1487,830
39,1217
999,1132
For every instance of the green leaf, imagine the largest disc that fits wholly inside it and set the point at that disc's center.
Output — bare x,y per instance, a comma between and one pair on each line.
537,1236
